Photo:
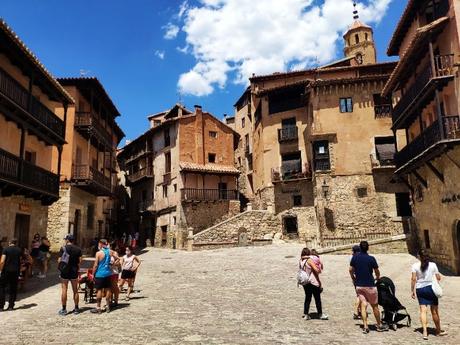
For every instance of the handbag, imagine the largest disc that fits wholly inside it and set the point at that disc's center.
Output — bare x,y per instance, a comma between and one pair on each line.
437,289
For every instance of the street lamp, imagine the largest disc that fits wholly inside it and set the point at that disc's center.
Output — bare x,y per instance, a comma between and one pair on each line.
325,189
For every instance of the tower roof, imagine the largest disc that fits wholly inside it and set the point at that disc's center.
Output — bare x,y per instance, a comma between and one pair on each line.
357,24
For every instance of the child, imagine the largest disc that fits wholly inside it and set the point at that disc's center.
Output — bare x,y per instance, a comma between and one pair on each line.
317,261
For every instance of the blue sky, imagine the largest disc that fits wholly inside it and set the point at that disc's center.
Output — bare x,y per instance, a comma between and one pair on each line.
121,42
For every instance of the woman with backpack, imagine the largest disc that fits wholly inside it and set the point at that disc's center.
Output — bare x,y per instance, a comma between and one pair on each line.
311,284
424,275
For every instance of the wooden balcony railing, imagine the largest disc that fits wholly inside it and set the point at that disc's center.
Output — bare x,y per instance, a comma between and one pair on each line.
444,67
138,154
88,174
287,133
429,137
10,88
382,111
290,171
167,178
196,194
86,120
18,171
140,174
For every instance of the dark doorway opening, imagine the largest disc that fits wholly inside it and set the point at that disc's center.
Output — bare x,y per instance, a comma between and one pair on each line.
223,195
21,230
403,205
164,235
290,226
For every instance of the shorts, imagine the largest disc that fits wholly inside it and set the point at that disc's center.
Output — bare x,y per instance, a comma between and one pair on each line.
35,252
127,274
71,275
103,283
368,294
426,296
114,277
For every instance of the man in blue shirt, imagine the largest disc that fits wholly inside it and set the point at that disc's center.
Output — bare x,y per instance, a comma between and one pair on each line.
362,269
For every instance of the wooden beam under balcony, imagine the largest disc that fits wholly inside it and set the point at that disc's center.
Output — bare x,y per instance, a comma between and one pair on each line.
91,180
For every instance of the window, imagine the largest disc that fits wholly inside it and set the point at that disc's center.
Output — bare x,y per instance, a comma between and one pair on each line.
291,165
211,157
78,156
213,134
165,191
321,155
290,225
356,38
329,219
382,106
246,144
174,220
286,100
366,36
385,150
167,162
243,122
361,192
426,236
346,105
288,130
175,187
30,157
90,216
156,123
167,138
297,200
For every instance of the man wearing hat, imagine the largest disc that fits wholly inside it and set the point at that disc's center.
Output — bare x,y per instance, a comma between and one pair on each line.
69,264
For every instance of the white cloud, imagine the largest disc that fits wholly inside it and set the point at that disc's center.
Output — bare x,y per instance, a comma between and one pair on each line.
241,37
160,54
171,31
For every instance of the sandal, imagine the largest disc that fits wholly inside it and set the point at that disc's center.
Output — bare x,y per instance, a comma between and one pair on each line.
365,330
441,334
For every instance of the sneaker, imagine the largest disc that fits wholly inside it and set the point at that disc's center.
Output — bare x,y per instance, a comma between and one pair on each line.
76,311
324,317
382,328
108,309
365,330
356,317
96,311
307,317
62,312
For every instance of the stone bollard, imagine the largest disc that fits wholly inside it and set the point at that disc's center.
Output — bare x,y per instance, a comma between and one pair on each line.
249,207
270,207
190,240
148,242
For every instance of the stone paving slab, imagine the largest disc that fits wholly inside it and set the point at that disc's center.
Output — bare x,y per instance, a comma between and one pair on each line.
228,296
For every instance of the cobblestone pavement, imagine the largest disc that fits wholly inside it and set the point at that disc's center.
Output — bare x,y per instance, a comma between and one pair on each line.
228,296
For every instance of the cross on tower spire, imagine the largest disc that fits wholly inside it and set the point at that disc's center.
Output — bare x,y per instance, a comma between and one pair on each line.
355,11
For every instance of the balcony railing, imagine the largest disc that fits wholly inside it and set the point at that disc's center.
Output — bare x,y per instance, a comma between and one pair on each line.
140,174
382,111
88,174
167,178
287,133
428,138
290,171
110,162
196,194
87,120
28,103
18,171
144,205
444,67
377,163
138,154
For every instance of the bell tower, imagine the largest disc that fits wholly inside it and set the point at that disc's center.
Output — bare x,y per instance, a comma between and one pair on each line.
359,41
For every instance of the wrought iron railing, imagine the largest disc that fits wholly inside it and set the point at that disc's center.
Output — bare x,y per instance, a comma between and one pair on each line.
287,133
87,120
382,110
381,163
19,95
140,174
290,171
89,174
198,194
17,170
429,137
444,66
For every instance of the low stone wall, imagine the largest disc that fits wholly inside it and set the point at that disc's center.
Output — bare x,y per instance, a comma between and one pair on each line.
253,224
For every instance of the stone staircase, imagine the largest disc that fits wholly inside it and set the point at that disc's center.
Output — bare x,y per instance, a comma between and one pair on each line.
251,227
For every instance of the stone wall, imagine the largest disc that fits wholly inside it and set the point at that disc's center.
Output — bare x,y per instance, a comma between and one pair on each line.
390,245
255,224
18,205
58,219
307,223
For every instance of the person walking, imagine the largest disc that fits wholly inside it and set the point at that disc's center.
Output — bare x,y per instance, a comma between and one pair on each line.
10,266
357,307
35,251
362,269
313,287
423,274
103,275
129,265
44,256
69,262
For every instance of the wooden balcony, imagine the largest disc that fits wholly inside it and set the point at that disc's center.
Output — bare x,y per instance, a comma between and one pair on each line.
291,171
424,144
382,164
110,163
140,175
167,178
144,206
197,194
89,126
422,89
18,104
138,154
289,133
91,180
23,178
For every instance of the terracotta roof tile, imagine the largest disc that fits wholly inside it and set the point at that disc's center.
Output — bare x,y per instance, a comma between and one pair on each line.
208,168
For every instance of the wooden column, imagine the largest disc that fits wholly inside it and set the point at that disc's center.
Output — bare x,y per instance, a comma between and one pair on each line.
437,97
59,162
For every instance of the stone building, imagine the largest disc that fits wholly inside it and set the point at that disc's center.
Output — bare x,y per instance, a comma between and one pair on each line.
426,84
87,206
317,148
33,113
180,175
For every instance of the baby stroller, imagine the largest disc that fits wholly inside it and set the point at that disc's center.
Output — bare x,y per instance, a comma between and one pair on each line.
393,310
88,287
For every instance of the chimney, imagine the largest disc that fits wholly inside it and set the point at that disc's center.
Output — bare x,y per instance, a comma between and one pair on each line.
198,109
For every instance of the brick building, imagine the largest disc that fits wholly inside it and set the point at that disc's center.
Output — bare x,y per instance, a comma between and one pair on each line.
33,114
426,121
316,146
180,175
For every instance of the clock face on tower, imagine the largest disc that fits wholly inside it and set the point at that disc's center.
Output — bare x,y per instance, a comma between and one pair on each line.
359,58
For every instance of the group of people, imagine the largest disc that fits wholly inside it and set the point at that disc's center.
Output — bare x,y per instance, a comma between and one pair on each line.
110,272
364,273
